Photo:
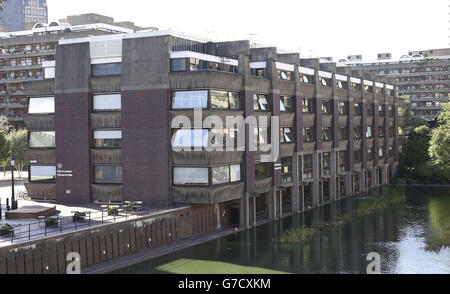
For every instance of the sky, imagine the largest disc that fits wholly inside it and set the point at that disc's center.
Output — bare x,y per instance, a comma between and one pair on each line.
315,28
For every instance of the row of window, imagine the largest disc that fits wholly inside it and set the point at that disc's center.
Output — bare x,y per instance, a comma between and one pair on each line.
205,176
102,174
194,64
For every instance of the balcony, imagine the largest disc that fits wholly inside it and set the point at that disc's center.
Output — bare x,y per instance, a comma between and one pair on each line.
287,119
287,149
41,191
222,114
40,122
307,90
105,84
102,192
208,195
207,79
39,156
106,156
106,120
263,185
208,158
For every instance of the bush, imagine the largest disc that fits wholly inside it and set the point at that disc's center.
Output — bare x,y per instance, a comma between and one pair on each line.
79,216
51,222
6,230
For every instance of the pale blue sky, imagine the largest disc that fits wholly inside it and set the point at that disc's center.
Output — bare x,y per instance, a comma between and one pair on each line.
315,27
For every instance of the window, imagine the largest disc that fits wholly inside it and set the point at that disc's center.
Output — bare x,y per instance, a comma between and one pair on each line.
343,133
260,102
341,161
107,139
108,174
391,151
380,132
342,84
368,89
285,104
356,109
380,110
357,156
357,132
189,99
261,170
235,173
190,138
342,108
285,75
308,135
326,107
307,105
355,87
107,102
369,108
258,72
326,159
261,135
42,173
221,138
307,79
42,140
308,167
286,135
190,176
369,154
178,64
369,132
107,69
286,170
42,105
325,82
220,175
380,152
326,134
225,100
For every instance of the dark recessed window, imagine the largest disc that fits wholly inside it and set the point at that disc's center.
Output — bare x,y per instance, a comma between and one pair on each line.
260,102
380,110
357,156
286,135
369,132
307,166
286,170
307,79
325,82
308,135
370,154
108,174
343,133
178,64
107,139
341,161
356,109
107,69
285,75
342,84
380,132
326,109
343,108
369,108
286,104
326,134
307,105
357,132
326,163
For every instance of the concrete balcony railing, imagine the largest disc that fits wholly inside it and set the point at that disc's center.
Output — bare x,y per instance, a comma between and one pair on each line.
307,90
263,185
106,120
287,149
106,156
104,192
41,191
287,119
40,122
208,158
39,156
208,195
105,85
222,114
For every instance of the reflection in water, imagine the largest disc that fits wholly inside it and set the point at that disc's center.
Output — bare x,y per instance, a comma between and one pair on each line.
397,232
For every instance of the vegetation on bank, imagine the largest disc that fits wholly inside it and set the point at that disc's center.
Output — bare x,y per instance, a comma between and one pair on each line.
364,207
425,156
439,225
13,143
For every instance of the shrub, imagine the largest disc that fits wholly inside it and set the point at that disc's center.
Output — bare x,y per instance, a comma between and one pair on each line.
6,230
425,173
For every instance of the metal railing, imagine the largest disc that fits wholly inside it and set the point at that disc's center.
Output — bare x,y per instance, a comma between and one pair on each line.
60,225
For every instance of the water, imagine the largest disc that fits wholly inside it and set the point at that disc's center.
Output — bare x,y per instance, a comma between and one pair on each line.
398,232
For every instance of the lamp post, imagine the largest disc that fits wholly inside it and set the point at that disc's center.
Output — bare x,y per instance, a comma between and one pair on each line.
13,198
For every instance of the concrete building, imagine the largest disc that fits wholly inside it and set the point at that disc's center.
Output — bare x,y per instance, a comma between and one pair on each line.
17,14
422,76
107,127
90,18
23,55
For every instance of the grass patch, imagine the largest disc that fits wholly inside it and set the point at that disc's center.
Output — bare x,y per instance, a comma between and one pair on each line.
193,266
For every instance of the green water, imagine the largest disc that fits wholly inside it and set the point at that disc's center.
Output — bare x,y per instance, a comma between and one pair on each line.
400,232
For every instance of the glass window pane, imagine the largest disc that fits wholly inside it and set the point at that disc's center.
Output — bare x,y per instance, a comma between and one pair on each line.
108,174
41,105
190,138
190,99
42,140
106,69
42,173
190,175
107,102
235,171
178,64
220,175
219,99
107,139
263,105
235,102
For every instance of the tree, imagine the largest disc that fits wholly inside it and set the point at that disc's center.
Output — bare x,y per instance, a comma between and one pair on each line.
439,149
410,122
18,143
4,151
1,2
415,149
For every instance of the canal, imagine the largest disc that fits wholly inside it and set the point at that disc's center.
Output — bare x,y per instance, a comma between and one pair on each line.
404,225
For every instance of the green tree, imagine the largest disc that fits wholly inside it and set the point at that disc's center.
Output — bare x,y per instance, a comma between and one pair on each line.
18,144
439,149
410,122
4,151
415,149
1,2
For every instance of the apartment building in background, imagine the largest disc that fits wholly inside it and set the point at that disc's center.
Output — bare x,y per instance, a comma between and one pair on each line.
421,76
101,128
23,55
18,14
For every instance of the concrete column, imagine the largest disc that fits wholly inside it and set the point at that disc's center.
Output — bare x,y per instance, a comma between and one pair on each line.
244,217
316,176
348,184
333,175
295,188
272,204
217,208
